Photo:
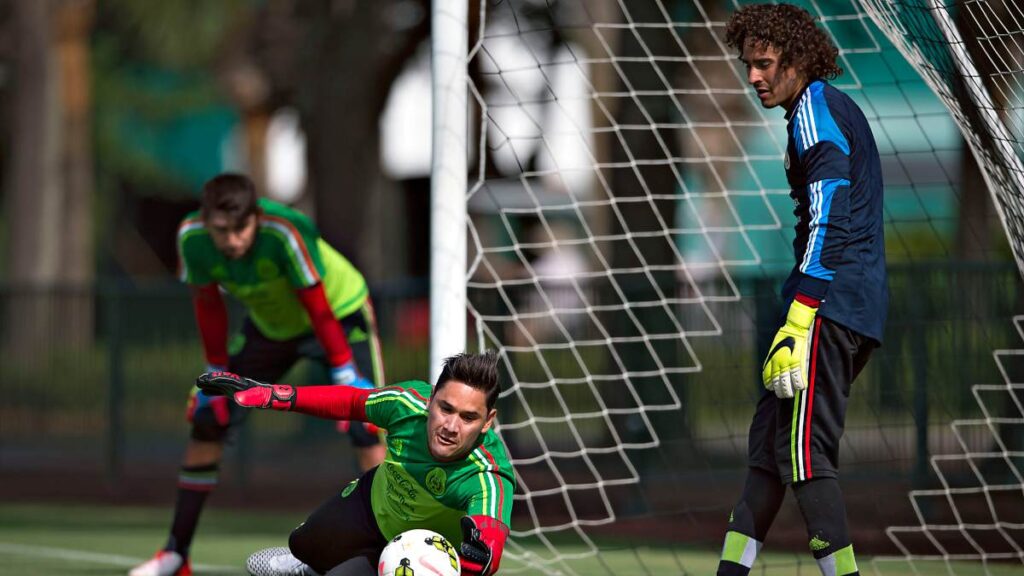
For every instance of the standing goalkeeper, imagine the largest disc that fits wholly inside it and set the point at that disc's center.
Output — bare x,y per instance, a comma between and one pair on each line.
836,294
303,300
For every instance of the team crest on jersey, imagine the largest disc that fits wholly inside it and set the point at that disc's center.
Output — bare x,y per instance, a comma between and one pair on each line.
266,269
396,447
437,481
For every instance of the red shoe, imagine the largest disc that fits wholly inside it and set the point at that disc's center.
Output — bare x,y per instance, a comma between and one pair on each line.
164,563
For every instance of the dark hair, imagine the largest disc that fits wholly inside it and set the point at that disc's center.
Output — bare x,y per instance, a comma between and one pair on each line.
232,194
478,371
792,31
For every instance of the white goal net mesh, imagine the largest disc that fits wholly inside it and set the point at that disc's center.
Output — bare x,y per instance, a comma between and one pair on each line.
630,229
972,56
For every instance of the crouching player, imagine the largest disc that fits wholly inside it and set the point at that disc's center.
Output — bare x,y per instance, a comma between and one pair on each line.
445,470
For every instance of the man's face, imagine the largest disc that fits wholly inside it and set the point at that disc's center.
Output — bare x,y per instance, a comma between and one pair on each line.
775,85
232,237
457,415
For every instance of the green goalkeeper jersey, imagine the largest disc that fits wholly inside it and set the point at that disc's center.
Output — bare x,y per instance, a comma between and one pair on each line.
287,254
412,490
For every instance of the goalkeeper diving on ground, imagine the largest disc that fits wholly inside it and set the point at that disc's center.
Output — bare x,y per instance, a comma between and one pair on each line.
446,470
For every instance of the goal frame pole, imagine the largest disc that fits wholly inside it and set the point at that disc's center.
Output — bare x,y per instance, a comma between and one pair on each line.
448,180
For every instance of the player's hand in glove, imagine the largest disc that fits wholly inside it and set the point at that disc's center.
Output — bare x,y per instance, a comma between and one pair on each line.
483,540
348,375
247,392
785,368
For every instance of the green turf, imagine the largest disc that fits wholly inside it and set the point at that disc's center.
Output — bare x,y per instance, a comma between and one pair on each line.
131,534
76,540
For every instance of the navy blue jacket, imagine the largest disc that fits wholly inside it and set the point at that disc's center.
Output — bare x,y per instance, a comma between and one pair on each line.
835,175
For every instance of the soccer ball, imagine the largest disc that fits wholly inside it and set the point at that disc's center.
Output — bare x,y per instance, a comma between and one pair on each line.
419,553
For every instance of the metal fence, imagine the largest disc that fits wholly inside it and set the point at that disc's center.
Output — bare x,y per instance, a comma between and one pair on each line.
94,382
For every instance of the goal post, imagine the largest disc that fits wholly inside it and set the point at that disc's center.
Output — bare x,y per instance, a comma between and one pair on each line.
449,175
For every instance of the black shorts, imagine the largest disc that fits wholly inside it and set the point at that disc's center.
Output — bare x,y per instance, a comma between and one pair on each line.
798,438
342,528
269,360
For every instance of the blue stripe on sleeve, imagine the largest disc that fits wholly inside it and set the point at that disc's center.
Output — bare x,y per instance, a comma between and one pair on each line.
820,194
814,122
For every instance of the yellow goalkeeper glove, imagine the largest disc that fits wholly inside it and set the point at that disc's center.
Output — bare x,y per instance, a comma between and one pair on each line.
785,368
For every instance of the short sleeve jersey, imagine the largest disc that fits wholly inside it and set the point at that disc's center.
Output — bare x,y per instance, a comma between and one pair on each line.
412,490
287,254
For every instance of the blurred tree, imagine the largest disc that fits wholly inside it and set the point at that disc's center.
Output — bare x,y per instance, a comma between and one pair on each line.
334,60
646,179
978,226
49,192
978,229
356,50
161,121
168,78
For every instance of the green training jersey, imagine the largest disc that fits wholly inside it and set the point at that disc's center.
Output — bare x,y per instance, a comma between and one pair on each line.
412,490
286,255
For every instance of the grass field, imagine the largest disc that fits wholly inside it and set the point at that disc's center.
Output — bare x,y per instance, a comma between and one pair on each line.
90,540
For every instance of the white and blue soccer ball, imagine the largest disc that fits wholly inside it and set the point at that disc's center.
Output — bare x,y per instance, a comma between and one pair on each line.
419,553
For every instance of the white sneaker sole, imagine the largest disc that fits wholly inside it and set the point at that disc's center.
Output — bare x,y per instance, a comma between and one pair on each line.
265,563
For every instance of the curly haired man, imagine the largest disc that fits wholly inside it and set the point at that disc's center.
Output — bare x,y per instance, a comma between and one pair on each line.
836,296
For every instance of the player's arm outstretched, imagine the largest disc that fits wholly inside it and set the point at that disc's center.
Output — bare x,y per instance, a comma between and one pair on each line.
331,402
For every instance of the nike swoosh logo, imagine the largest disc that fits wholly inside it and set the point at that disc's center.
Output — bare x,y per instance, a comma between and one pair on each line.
787,342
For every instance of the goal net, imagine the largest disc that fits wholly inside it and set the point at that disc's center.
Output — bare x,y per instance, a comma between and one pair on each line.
971,54
630,228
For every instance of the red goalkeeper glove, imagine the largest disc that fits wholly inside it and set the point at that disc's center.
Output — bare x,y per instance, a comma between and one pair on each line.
247,392
483,540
